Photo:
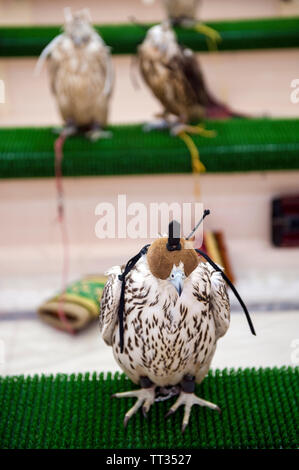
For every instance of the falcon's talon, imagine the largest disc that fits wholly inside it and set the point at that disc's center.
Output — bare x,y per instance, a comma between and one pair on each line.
145,398
190,399
169,413
67,130
188,128
178,128
157,125
184,428
96,134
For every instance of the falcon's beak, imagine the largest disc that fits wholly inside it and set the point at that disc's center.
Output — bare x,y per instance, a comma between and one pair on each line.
177,280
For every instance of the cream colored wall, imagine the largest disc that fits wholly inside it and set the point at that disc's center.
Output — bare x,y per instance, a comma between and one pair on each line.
253,82
30,243
51,12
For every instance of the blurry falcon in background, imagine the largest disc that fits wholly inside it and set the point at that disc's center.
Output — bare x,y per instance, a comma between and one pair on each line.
173,74
179,10
183,13
176,308
79,65
81,76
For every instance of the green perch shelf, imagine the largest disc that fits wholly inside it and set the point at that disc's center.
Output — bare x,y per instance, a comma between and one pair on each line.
240,145
22,41
259,411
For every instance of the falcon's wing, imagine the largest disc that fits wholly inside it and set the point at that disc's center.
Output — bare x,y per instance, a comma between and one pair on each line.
186,66
219,303
102,54
56,53
177,82
167,79
46,52
109,304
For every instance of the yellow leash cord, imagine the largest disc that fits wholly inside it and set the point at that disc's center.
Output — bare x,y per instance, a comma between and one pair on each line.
212,36
197,165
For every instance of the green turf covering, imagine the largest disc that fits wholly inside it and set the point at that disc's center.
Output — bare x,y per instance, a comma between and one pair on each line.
240,145
259,410
124,38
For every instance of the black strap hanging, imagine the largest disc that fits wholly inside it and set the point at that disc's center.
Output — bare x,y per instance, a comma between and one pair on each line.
122,277
227,280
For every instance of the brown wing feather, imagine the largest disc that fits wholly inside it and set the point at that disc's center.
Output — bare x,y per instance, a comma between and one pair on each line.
193,77
166,80
178,83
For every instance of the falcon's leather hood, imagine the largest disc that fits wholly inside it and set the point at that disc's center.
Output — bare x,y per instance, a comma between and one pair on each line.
161,260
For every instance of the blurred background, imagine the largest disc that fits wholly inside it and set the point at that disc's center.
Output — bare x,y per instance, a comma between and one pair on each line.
256,82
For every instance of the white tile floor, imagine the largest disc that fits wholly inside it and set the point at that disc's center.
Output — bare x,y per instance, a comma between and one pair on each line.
30,347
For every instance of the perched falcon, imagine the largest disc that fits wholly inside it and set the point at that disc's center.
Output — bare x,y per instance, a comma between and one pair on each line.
79,65
181,10
173,74
183,13
175,309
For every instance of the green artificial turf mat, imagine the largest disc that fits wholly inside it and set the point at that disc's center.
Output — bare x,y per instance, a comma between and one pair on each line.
124,38
259,410
240,145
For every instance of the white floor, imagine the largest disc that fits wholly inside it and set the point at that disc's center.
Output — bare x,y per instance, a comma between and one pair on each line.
30,347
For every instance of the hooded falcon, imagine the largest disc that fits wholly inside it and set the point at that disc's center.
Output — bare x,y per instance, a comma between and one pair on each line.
175,308
79,65
173,74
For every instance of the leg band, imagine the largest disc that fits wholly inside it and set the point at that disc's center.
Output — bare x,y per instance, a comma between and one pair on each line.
188,383
145,382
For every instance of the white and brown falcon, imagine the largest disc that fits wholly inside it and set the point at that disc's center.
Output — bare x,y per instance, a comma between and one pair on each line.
173,74
179,10
81,76
184,13
176,308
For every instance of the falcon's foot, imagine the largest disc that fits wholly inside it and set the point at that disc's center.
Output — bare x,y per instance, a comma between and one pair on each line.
179,128
96,133
157,125
145,399
212,36
69,129
190,399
